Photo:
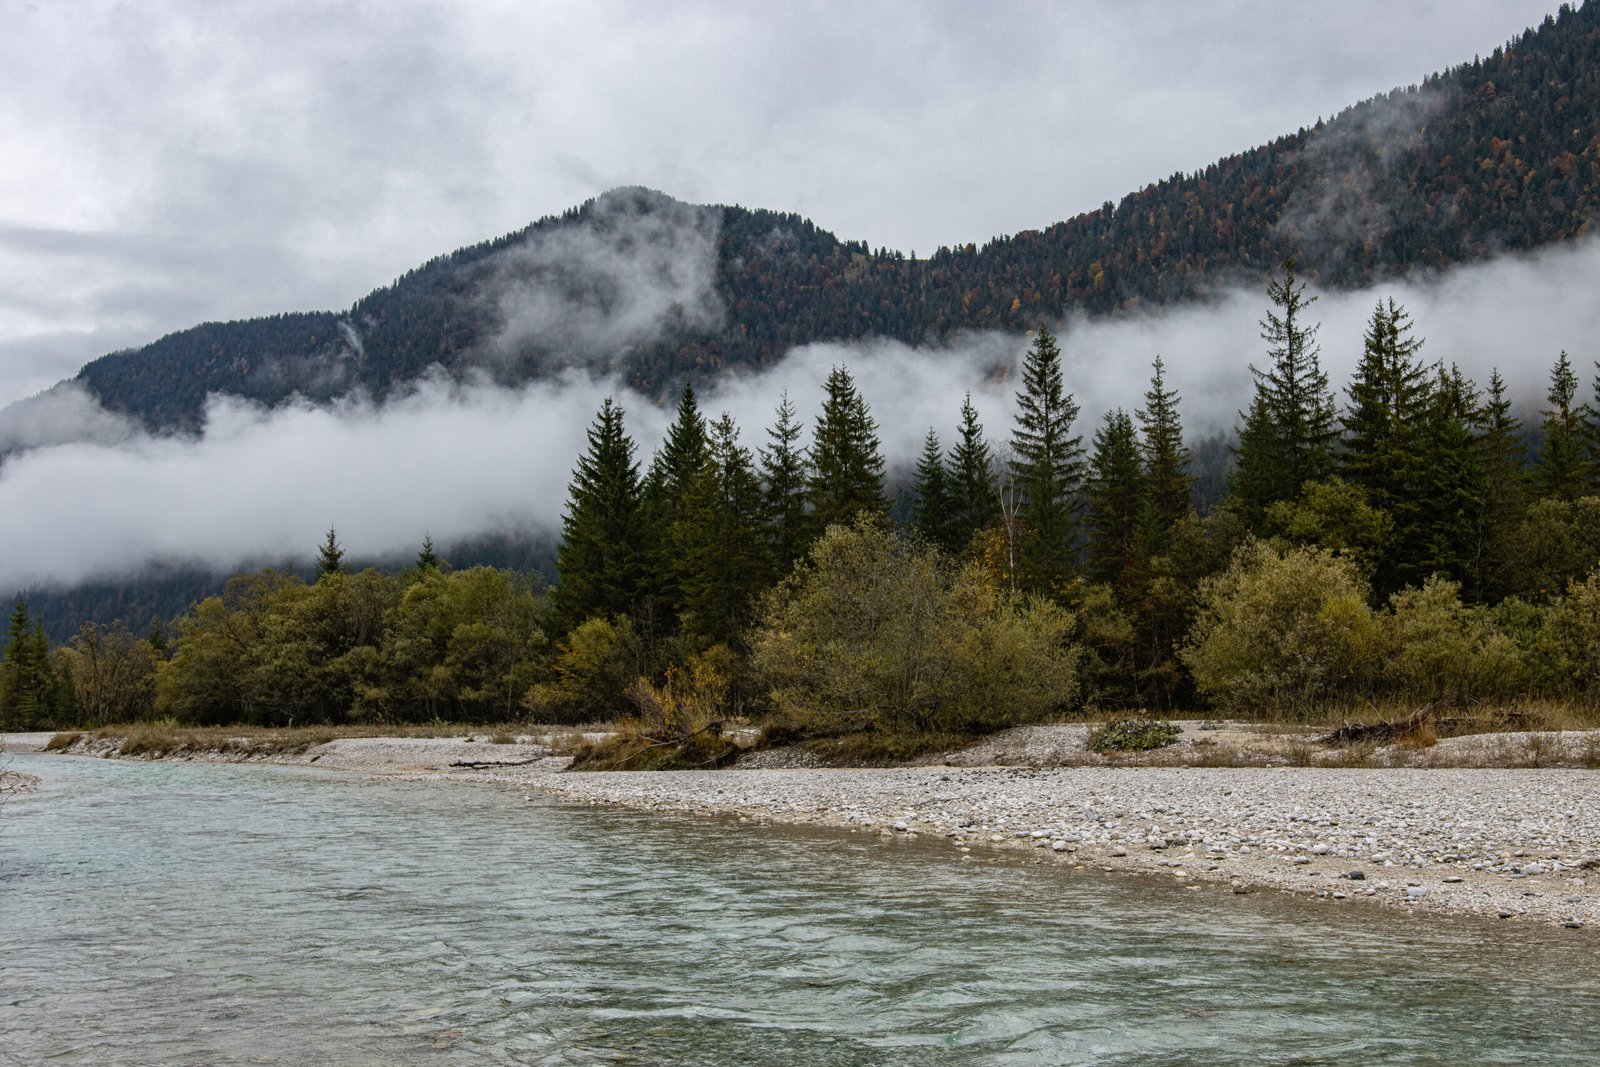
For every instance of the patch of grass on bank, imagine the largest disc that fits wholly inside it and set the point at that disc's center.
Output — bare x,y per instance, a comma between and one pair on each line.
632,746
879,749
60,742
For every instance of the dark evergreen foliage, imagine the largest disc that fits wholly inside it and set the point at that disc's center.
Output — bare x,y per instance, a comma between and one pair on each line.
784,465
845,476
932,507
974,486
1046,468
602,555
1115,499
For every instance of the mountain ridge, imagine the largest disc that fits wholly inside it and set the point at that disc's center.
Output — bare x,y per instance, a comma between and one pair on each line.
1498,154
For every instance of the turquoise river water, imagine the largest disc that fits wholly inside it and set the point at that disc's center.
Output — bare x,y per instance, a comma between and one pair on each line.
166,913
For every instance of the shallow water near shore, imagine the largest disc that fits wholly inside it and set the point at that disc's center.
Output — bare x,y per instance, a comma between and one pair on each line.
217,914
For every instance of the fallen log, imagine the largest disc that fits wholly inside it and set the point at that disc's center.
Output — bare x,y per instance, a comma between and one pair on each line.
1387,730
478,765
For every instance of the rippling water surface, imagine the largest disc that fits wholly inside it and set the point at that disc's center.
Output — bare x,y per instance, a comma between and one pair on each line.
201,914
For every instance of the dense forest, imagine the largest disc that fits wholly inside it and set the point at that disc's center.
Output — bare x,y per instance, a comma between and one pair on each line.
1388,541
1502,153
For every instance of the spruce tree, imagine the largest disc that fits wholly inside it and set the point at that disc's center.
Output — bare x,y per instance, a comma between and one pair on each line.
600,561
726,563
428,559
1167,484
330,557
1451,489
1502,457
1294,435
664,495
930,490
1046,468
1387,448
1562,472
784,490
846,461
1115,499
28,688
974,492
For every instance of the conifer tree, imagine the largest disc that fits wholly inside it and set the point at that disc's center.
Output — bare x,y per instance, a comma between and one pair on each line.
28,685
1288,438
1046,468
1387,443
1503,491
330,557
974,492
600,561
664,495
428,559
1562,472
726,563
1115,499
1450,493
1167,484
930,490
846,461
783,479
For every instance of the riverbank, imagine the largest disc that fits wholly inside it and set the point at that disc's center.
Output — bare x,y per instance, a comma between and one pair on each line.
1515,844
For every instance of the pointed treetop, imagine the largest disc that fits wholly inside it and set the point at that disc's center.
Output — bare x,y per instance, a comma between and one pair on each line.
330,556
427,559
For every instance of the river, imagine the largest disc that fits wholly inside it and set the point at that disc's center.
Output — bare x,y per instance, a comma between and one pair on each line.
175,913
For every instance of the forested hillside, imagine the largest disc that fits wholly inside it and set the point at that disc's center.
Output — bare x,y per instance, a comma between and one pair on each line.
1501,153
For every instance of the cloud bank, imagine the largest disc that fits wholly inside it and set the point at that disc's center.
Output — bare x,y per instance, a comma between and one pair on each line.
455,460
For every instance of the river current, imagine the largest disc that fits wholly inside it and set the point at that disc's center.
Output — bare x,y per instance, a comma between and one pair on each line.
169,913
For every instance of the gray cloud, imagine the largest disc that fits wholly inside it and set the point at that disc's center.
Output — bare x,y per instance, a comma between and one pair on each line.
174,162
455,459
643,267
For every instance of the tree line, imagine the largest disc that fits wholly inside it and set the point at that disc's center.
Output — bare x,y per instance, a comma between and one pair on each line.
1394,541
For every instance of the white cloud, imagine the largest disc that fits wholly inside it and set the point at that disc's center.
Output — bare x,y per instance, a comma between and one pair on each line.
456,460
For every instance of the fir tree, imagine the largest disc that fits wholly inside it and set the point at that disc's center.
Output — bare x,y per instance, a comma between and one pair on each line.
27,681
600,560
428,559
664,497
783,479
974,493
1387,444
1293,437
1502,460
1167,485
330,557
1115,499
1046,468
1451,489
1562,472
726,563
846,462
930,490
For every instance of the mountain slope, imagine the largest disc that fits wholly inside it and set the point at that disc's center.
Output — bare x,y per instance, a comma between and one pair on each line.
1498,154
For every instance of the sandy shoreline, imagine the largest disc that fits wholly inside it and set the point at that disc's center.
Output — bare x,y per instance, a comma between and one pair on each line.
1521,845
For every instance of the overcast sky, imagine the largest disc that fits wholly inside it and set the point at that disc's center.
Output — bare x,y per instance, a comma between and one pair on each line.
167,163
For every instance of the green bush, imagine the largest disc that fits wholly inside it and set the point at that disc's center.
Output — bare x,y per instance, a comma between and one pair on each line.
874,635
1283,630
1446,652
1133,735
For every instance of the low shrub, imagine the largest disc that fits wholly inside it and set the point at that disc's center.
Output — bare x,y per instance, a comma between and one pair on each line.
1133,735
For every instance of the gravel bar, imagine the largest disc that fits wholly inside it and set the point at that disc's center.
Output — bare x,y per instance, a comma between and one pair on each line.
1513,844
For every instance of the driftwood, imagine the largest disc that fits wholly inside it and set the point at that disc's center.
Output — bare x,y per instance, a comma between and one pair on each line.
1389,730
478,765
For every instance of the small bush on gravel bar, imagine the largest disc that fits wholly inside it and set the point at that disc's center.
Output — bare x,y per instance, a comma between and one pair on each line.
1133,735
